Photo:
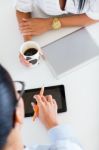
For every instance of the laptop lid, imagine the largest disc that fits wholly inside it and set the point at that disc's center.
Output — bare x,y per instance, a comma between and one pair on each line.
70,51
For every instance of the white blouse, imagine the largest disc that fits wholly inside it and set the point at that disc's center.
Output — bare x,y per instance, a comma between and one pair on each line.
47,8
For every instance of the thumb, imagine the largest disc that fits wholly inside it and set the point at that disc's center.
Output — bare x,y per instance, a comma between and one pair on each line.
35,114
35,108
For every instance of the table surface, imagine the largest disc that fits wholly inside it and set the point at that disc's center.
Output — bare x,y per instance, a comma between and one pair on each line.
81,86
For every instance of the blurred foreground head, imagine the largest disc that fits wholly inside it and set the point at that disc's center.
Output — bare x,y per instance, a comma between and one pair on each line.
8,102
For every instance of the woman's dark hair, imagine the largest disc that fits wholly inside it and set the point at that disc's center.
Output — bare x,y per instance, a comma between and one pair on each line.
81,4
8,102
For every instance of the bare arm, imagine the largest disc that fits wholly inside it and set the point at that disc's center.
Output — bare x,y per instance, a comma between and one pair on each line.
37,26
20,16
76,20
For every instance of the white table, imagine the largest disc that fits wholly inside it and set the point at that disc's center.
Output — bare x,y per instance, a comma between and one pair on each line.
82,86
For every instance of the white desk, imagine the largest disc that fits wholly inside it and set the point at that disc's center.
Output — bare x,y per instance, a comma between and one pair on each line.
82,86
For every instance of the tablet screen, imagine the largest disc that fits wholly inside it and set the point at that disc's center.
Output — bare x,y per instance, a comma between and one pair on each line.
57,92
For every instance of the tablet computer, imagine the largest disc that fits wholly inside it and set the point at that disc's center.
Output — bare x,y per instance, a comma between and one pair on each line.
70,53
58,93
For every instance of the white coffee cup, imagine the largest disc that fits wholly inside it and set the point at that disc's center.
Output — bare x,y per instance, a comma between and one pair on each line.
30,51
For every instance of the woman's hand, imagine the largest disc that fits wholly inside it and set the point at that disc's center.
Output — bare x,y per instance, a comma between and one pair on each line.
24,61
47,110
35,26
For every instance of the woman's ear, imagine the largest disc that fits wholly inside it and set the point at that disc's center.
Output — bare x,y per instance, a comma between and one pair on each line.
19,116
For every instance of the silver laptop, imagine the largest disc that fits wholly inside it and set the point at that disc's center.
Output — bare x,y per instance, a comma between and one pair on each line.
70,52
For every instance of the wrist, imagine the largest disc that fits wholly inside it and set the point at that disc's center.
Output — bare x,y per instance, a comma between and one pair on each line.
63,21
49,23
52,124
27,38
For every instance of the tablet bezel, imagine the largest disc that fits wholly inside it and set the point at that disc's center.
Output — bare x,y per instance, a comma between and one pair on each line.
62,90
